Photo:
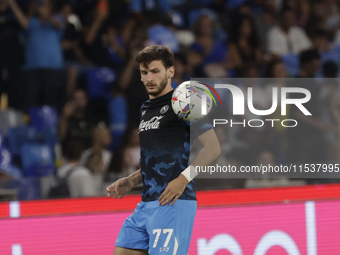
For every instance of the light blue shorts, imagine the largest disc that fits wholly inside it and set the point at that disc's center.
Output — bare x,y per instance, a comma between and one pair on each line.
159,229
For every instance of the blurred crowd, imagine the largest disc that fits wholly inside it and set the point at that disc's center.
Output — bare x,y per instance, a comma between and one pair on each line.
78,58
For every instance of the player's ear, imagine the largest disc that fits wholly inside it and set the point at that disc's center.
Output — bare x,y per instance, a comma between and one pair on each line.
171,71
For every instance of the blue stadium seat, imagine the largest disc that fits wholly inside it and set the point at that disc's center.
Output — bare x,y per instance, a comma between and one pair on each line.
28,188
118,119
50,137
18,136
43,117
99,80
233,4
37,160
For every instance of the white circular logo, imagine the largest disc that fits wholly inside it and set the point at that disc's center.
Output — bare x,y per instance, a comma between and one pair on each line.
164,109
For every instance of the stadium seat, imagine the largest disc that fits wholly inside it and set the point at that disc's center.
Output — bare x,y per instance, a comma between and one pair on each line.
43,117
50,137
118,119
99,80
28,188
37,160
235,3
18,136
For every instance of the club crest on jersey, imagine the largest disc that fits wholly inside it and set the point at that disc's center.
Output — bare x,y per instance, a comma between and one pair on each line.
164,109
153,123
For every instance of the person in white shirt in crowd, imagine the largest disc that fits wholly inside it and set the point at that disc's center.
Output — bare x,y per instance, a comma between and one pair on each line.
131,154
126,158
80,182
287,38
97,158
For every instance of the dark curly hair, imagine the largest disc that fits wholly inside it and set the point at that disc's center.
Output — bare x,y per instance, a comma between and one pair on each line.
156,52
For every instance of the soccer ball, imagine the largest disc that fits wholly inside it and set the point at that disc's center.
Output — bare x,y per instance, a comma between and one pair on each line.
187,100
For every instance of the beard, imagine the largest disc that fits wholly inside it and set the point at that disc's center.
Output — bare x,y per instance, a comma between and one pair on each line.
160,87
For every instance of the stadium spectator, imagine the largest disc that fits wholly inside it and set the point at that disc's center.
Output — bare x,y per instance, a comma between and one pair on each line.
77,120
309,63
181,74
330,69
141,9
161,33
244,47
97,158
327,12
125,160
264,21
11,57
76,62
276,138
81,182
320,41
96,40
43,53
194,61
213,51
266,158
304,12
129,81
276,69
327,53
307,141
287,38
330,106
119,9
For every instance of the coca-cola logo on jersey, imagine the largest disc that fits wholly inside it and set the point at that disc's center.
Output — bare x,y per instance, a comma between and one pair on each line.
153,123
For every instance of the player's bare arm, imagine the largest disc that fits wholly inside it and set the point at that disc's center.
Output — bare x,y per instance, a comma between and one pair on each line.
121,187
210,151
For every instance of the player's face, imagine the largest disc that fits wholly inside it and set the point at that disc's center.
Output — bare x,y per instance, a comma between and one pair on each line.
156,78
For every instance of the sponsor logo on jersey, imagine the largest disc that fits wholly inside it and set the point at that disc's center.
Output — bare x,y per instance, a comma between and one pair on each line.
164,109
153,123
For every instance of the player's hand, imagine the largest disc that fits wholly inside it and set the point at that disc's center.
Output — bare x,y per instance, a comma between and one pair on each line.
120,188
173,190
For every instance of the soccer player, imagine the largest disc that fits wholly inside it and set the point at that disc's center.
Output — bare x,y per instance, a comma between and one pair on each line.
162,223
